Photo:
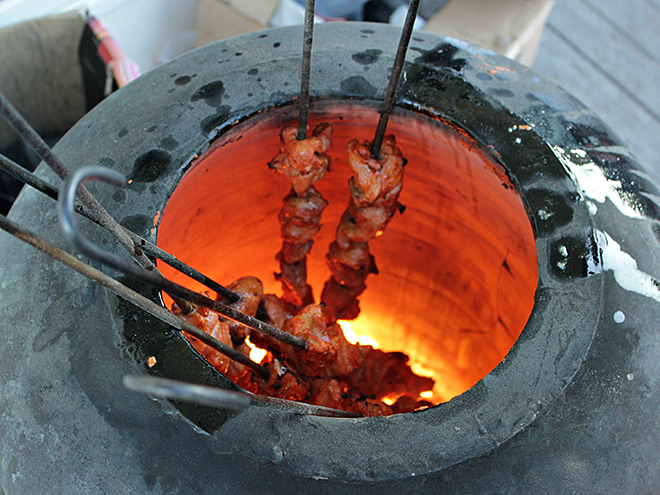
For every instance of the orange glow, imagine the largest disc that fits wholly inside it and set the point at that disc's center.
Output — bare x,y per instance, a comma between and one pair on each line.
257,354
353,337
457,270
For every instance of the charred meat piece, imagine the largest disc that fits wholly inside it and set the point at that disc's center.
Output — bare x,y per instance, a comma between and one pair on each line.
305,161
405,404
341,301
300,219
375,187
375,178
209,322
276,312
387,374
282,382
349,356
251,290
294,281
351,267
361,224
320,352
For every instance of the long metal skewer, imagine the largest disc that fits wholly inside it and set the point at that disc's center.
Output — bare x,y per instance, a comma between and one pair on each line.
84,245
130,295
18,172
306,71
25,131
388,103
225,399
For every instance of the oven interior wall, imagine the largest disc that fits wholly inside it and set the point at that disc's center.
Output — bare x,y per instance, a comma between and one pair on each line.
457,270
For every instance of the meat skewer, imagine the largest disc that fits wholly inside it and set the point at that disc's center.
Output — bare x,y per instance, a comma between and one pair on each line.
375,187
303,162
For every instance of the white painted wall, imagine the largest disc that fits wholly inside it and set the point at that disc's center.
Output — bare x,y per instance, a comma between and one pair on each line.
141,27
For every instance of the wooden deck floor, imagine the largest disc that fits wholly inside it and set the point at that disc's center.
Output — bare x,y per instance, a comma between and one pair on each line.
607,54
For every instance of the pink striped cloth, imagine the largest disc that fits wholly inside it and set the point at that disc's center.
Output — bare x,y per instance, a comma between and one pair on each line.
123,68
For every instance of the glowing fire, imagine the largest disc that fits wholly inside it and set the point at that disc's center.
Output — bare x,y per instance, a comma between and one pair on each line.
359,335
257,354
353,337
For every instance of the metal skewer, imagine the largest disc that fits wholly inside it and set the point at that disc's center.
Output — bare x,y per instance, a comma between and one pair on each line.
41,185
128,294
388,103
82,244
225,399
306,71
100,215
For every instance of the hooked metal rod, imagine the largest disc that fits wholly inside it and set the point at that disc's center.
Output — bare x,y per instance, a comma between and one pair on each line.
70,229
26,132
388,103
306,71
18,172
128,294
100,214
225,399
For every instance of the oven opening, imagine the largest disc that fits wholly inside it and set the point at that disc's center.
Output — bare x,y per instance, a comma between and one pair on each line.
457,270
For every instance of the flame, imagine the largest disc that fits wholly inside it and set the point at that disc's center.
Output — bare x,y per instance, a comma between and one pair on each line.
257,354
356,332
353,337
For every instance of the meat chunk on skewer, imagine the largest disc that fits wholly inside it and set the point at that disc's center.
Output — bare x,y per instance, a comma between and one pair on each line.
375,179
300,218
251,290
320,353
282,382
276,312
209,322
387,374
332,393
293,277
375,187
305,161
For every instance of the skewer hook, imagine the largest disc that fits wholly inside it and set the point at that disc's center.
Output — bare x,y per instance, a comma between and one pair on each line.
85,246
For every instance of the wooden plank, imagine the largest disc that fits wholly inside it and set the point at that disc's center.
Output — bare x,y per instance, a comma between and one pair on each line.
616,57
637,20
638,130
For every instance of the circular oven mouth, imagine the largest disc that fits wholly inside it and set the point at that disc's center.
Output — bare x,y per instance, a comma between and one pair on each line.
498,103
457,270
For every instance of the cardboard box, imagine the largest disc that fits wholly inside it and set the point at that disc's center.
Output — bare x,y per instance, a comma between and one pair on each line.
510,27
220,19
41,73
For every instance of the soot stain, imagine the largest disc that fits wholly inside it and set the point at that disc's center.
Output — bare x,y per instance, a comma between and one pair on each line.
57,318
253,72
442,55
358,86
168,143
209,123
137,223
150,166
211,93
484,76
119,196
152,129
367,57
501,92
123,132
182,81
